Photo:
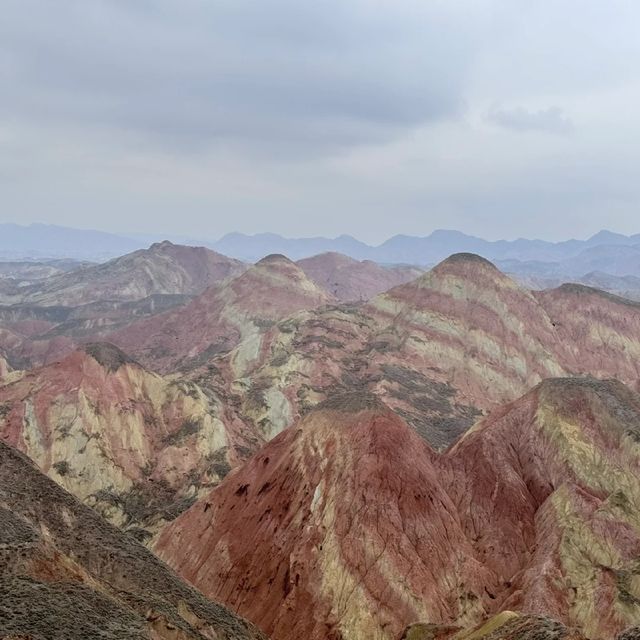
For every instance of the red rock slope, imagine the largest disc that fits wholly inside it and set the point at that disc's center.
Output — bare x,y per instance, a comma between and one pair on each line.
599,330
136,445
66,574
346,532
461,338
353,527
164,268
349,280
548,491
222,317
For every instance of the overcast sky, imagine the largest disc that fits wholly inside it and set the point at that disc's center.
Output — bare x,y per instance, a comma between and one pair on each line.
369,117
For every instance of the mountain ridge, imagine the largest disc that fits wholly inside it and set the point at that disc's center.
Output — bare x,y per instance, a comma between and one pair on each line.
18,241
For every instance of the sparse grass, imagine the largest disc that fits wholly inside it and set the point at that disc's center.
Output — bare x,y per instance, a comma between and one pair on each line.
62,467
188,428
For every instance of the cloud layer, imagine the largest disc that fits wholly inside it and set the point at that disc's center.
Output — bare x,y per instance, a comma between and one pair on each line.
363,116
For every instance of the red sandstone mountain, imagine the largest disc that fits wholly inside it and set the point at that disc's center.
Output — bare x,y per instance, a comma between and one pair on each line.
66,574
348,280
222,317
600,331
137,446
460,339
353,527
348,524
47,319
164,268
548,492
346,532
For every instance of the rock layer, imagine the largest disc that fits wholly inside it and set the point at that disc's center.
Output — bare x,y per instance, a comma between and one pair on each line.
506,625
223,317
137,446
459,340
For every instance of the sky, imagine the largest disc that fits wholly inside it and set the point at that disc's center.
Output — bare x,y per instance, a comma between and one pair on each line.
499,118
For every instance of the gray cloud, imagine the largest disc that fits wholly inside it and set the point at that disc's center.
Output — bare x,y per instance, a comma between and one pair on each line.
369,117
552,119
192,72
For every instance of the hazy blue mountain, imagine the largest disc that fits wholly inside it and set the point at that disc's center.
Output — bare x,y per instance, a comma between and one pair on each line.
416,250
616,260
252,248
609,237
612,259
624,286
607,252
49,241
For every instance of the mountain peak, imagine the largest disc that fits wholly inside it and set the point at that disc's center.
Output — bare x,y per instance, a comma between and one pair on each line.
273,258
604,236
469,268
161,245
467,259
332,497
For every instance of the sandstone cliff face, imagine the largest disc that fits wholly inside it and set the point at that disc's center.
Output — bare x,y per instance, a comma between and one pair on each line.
353,527
5,369
66,574
223,317
459,340
137,446
349,280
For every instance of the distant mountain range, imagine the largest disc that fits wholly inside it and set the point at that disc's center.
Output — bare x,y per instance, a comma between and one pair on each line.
49,241
416,250
605,252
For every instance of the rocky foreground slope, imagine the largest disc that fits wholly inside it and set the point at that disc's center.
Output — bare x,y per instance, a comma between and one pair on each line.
135,445
353,527
507,625
66,574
